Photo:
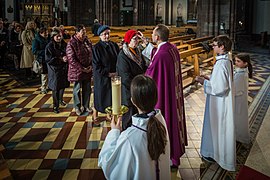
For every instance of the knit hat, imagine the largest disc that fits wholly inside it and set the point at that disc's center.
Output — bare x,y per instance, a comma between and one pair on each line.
129,35
102,28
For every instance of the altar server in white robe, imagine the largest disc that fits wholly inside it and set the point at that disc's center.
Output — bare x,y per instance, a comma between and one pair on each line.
218,135
242,71
142,151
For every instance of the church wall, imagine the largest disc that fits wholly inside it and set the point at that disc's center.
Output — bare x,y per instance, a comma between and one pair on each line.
10,16
261,20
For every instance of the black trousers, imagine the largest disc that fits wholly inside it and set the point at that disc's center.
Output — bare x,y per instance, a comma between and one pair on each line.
57,97
3,51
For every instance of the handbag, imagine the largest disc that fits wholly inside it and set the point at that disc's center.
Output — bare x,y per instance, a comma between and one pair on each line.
37,67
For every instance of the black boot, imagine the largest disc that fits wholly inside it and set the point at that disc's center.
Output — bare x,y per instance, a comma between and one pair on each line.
56,110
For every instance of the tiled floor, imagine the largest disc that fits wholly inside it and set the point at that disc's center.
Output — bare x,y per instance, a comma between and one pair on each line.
40,144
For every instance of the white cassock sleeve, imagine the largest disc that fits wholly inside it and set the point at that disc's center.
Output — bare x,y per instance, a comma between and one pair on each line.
218,85
239,84
147,51
115,158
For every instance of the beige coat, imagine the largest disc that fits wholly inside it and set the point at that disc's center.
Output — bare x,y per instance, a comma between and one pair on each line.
27,57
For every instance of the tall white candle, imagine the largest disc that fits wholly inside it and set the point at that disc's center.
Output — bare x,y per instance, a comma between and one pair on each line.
116,95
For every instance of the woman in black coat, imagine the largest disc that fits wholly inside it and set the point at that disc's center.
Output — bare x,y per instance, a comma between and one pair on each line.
130,63
104,67
55,56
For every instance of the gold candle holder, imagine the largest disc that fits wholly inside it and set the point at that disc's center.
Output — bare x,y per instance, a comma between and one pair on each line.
123,110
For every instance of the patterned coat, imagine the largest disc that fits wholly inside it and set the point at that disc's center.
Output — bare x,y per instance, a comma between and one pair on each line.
79,54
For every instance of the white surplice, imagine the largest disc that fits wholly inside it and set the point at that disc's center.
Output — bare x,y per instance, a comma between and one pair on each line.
125,155
218,135
241,105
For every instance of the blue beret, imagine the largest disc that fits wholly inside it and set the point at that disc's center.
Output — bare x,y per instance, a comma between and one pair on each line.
102,28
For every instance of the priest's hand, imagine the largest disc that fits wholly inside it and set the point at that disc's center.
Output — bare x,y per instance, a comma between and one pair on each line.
144,39
114,124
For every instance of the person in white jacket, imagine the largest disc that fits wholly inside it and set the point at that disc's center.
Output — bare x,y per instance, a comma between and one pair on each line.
218,134
242,71
142,151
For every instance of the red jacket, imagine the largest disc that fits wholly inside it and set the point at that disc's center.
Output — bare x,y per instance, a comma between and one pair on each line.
79,54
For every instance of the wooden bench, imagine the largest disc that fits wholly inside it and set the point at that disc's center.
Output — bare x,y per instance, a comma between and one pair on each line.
191,63
190,70
180,39
182,47
182,29
195,42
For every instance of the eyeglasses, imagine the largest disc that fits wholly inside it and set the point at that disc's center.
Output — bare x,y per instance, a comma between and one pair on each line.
213,45
104,34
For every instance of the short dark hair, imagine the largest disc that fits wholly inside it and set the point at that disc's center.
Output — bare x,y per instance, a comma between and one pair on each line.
79,27
225,41
42,30
246,58
163,32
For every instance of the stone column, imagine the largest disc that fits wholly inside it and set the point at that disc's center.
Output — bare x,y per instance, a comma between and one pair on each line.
135,12
211,14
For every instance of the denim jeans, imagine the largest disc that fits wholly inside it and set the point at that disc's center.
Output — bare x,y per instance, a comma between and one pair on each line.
81,94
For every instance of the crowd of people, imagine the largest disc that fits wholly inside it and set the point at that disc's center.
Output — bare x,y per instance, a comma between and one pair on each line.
153,131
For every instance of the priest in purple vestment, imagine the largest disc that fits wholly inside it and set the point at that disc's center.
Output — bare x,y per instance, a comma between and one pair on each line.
165,69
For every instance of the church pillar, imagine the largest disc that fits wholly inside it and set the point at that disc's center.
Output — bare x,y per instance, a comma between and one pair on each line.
135,12
115,13
215,17
69,16
167,12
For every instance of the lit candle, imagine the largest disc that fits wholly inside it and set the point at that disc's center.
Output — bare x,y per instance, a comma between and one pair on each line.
116,95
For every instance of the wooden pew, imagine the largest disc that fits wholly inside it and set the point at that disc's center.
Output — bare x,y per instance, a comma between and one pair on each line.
190,70
191,62
180,39
195,42
182,47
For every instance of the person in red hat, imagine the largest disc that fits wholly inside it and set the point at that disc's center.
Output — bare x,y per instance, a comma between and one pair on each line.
130,63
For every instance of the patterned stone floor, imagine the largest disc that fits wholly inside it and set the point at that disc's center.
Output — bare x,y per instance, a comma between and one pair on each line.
40,144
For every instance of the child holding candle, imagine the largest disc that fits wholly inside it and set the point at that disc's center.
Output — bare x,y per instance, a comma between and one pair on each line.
143,150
